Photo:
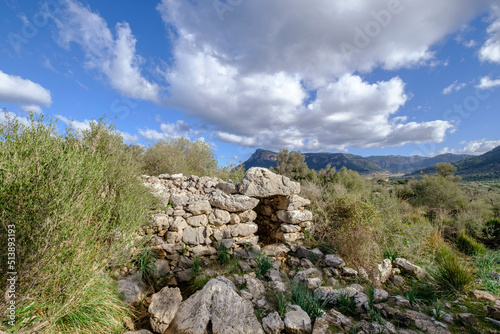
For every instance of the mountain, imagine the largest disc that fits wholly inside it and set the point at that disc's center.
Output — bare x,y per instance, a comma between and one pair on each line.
402,164
363,165
475,168
317,161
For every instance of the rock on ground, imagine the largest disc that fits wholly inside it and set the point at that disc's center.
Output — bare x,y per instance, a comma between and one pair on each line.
163,307
216,305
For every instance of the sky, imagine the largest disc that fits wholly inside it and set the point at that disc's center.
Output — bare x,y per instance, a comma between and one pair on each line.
367,77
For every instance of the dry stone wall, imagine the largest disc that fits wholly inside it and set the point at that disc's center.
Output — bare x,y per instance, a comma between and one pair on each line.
202,213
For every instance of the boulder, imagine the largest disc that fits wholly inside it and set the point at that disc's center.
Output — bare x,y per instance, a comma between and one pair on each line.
216,305
197,221
261,182
273,324
232,203
248,216
410,268
243,230
275,249
132,289
297,321
163,307
384,271
334,261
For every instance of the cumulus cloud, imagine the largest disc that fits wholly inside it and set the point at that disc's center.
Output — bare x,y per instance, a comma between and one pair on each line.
487,83
116,57
169,131
490,51
323,39
475,147
454,87
291,82
29,95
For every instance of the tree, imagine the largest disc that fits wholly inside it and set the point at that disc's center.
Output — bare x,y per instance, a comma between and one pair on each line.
447,170
293,165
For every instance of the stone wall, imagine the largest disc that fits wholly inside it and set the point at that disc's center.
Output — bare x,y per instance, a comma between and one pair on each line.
202,213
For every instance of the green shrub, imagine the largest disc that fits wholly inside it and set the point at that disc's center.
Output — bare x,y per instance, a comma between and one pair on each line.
76,200
263,265
146,268
488,263
468,245
300,295
180,155
452,274
223,255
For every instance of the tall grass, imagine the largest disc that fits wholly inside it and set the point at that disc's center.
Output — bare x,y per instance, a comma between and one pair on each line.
75,200
452,274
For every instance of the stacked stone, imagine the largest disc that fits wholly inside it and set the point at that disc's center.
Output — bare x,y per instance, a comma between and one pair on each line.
204,213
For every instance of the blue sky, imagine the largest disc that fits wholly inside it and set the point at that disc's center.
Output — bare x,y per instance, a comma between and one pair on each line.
368,77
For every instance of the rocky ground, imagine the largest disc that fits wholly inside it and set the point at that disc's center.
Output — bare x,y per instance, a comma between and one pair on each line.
213,275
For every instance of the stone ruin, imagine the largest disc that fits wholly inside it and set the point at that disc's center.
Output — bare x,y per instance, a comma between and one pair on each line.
202,213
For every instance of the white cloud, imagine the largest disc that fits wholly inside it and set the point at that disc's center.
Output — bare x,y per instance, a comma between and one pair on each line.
470,44
23,92
115,58
454,87
290,82
321,40
169,131
475,147
487,83
490,51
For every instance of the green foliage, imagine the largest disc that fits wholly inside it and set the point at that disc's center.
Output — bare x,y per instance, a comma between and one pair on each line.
300,295
263,265
452,275
488,264
180,155
437,193
293,165
468,245
346,303
352,181
390,253
196,266
223,255
75,200
146,268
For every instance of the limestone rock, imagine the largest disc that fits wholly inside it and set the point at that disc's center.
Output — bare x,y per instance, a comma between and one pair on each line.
163,307
275,249
243,230
261,182
297,321
132,289
199,207
273,324
384,270
334,261
218,305
295,216
142,331
232,203
410,268
380,295
178,200
295,202
248,216
219,217
197,221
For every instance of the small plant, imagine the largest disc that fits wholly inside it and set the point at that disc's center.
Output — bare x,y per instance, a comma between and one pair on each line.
487,264
259,313
346,303
146,268
223,256
303,297
437,308
263,265
376,316
390,253
411,294
370,291
468,245
196,266
452,275
244,285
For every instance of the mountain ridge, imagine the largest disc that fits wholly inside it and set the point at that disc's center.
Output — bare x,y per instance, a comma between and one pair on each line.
363,165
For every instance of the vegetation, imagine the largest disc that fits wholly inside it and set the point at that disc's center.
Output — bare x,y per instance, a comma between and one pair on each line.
263,265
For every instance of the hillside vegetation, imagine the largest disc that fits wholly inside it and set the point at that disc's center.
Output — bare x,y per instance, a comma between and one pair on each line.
76,200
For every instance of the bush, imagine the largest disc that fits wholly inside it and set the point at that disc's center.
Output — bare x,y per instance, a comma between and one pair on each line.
75,200
300,295
468,245
437,193
452,274
180,155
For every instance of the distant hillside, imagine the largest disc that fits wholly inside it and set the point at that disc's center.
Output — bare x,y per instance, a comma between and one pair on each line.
372,164
317,161
402,164
475,168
